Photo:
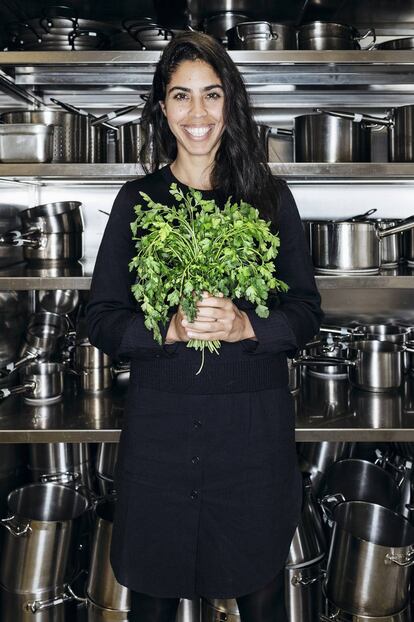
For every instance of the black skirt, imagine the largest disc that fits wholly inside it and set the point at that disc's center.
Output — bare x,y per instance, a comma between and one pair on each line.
209,492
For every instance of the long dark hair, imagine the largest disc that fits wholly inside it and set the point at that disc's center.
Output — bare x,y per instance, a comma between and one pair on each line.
240,168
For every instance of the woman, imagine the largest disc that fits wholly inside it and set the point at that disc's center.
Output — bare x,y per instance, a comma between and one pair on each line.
209,492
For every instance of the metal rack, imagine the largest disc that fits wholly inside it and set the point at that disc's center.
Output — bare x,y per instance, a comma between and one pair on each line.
279,80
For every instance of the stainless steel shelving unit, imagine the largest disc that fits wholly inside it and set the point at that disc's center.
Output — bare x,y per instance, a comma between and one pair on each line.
282,80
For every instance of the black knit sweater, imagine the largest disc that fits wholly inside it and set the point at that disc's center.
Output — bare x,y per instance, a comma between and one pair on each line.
116,323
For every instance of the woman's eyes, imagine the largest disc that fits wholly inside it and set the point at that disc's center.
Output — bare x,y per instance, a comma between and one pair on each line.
212,95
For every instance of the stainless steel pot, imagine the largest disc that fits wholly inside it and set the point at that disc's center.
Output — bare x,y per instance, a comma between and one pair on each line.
219,24
69,144
316,458
320,35
102,587
41,536
349,247
391,246
58,457
248,35
106,459
326,138
308,544
52,605
52,234
96,137
41,382
26,142
368,566
219,610
407,43
334,614
360,480
61,301
380,332
87,356
303,593
335,349
408,247
375,365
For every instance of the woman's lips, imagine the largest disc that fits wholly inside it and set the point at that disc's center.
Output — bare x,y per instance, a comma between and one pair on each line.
198,133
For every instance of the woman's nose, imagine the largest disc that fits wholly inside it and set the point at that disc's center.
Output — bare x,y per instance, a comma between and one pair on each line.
198,107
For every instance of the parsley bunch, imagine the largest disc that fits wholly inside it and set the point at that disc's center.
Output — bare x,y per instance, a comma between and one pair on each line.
197,246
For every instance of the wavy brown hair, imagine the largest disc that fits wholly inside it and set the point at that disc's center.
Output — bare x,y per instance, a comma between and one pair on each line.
240,168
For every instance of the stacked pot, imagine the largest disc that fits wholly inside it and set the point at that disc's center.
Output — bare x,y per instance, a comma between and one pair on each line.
106,459
38,554
371,541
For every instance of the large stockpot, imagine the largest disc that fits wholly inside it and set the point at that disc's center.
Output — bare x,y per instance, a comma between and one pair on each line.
361,480
70,131
326,138
102,587
349,247
375,365
41,536
370,553
337,615
58,457
400,124
52,233
320,35
261,36
51,605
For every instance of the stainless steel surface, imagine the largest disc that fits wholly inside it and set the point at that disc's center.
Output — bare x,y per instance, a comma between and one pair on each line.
401,138
323,35
26,142
219,610
14,607
59,300
95,379
41,533
316,458
69,129
391,246
308,543
58,457
324,138
106,458
360,480
303,593
87,356
369,557
335,614
102,587
349,247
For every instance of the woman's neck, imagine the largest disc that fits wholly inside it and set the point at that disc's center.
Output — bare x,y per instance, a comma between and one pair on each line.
193,174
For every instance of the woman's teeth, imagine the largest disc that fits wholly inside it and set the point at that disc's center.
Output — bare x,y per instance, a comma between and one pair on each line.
197,131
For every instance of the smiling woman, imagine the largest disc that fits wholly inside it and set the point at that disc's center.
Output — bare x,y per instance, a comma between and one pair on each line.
209,491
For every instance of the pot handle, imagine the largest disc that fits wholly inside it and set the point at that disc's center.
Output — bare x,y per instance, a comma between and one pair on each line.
280,131
272,35
401,559
299,580
328,503
357,117
21,388
407,224
32,356
55,477
15,529
16,238
67,595
322,360
369,33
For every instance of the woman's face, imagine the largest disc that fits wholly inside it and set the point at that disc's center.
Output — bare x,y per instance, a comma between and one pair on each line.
193,106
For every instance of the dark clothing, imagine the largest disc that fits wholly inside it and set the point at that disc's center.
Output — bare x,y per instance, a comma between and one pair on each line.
209,492
264,605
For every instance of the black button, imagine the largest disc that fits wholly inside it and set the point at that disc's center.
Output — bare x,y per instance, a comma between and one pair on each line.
195,459
197,423
194,494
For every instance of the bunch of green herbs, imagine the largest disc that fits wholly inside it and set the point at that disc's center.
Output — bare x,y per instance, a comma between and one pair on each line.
196,246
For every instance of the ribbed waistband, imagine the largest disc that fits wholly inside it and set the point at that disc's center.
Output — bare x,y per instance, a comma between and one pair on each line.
238,376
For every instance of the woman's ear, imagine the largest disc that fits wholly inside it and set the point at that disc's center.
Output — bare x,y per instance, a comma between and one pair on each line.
162,106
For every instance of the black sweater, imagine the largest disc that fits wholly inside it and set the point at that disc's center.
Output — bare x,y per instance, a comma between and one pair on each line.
116,322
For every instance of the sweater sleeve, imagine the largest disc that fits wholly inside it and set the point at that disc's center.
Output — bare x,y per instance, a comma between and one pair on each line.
114,320
295,316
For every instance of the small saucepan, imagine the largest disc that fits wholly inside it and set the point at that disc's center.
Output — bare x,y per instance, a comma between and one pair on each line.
373,365
350,247
41,381
379,332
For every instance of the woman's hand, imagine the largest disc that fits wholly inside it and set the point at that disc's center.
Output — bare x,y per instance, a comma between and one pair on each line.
218,318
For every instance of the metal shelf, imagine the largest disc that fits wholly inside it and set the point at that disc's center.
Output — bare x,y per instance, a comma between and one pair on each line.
78,276
363,416
339,172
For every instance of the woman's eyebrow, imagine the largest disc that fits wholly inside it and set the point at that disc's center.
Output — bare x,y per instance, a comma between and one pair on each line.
187,90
